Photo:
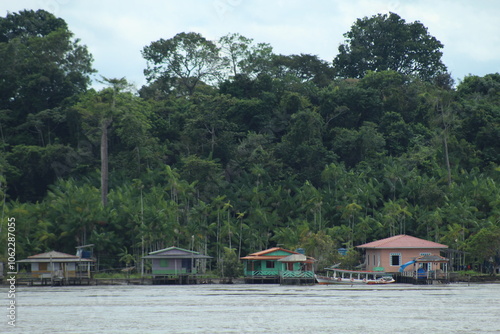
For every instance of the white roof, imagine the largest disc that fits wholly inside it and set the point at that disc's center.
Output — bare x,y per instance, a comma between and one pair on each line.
294,258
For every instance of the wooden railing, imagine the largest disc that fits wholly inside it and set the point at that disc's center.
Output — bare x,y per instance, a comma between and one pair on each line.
283,274
297,274
262,273
428,274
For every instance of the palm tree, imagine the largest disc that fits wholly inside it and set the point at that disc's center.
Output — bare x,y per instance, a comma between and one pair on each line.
394,215
350,213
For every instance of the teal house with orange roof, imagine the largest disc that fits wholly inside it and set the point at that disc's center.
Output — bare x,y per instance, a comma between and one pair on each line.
278,265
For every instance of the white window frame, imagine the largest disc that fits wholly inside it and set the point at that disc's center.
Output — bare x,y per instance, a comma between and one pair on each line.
390,259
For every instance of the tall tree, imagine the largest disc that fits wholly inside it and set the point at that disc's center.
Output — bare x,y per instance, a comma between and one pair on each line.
100,110
386,42
245,58
183,61
105,122
235,48
41,62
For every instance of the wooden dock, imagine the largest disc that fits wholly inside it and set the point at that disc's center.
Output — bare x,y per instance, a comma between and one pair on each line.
262,280
298,281
53,281
281,279
76,281
422,280
180,279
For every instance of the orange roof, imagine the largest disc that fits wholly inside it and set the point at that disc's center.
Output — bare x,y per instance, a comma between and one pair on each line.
262,254
402,241
251,257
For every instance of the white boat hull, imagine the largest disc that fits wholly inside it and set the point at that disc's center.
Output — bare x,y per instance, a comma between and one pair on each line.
351,281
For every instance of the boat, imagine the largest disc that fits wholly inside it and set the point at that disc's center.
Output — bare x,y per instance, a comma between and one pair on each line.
344,276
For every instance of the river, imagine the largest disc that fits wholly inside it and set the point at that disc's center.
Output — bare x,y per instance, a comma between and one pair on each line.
238,308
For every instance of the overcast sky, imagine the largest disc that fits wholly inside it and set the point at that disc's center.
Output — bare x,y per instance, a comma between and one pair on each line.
115,31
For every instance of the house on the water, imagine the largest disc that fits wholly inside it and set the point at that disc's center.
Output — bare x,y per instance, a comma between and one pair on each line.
409,256
278,265
175,265
58,268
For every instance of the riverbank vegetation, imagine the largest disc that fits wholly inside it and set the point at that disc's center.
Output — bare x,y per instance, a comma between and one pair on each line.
231,146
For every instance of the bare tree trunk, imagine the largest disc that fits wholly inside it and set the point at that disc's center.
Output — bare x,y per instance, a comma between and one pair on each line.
117,85
446,156
104,162
446,114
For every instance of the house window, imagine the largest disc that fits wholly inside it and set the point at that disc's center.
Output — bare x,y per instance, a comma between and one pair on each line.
270,264
42,266
164,263
395,259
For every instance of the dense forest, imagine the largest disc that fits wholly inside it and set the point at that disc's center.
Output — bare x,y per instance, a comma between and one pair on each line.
231,148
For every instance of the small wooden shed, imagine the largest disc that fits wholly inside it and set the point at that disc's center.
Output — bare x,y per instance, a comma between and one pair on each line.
53,264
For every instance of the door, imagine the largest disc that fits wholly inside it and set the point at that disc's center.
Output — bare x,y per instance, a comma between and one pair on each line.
186,265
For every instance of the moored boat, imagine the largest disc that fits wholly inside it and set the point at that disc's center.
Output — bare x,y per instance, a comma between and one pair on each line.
343,276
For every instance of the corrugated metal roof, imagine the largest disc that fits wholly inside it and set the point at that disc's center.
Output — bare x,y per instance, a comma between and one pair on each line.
173,248
402,241
431,258
175,253
54,256
177,256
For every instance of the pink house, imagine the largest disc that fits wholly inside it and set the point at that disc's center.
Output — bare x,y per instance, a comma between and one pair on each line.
390,253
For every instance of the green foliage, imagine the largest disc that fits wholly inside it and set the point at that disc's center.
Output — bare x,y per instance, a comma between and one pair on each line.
321,246
244,58
277,153
386,42
184,61
485,246
305,67
41,64
230,266
32,169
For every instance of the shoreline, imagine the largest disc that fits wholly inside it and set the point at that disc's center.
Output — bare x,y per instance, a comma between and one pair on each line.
149,281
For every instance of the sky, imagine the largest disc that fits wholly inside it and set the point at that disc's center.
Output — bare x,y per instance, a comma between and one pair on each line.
115,31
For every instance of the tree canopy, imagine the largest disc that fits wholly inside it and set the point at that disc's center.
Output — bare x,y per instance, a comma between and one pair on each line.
386,42
183,61
41,62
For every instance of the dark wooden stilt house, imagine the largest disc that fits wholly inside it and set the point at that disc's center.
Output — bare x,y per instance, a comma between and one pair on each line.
176,265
